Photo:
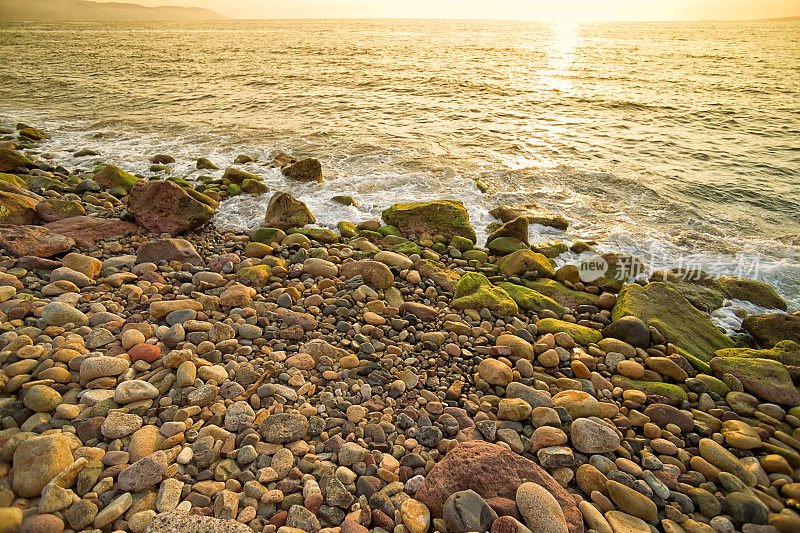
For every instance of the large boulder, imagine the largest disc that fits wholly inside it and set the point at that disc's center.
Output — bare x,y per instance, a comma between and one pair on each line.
168,250
765,378
304,170
492,471
86,231
284,211
619,270
438,217
17,208
785,352
111,176
11,160
531,300
697,287
164,207
534,213
475,291
37,461
769,329
34,241
662,307
757,292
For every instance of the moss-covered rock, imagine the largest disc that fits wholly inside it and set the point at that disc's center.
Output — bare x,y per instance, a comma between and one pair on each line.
531,300
253,187
664,308
13,180
322,235
53,209
242,159
475,255
389,230
32,134
444,217
462,244
785,352
344,200
254,276
581,334
205,164
202,198
765,378
769,329
267,235
525,261
700,294
111,176
533,212
346,229
550,249
757,292
438,273
714,385
516,228
502,246
304,170
475,291
560,293
237,175
257,250
11,160
18,208
408,248
674,394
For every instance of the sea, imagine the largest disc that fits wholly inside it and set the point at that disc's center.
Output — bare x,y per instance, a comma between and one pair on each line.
676,142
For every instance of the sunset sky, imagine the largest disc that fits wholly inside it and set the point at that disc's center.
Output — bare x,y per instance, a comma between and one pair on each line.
563,10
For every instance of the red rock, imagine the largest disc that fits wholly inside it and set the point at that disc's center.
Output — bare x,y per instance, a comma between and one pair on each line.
423,312
168,250
313,502
30,262
217,263
492,471
504,507
43,523
662,414
164,207
351,526
507,524
279,518
33,240
145,352
86,231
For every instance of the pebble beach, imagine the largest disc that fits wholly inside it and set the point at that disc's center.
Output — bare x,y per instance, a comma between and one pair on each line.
160,375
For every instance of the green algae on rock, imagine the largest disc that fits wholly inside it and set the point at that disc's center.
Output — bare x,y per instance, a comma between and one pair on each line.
444,217
530,300
111,176
561,293
785,352
757,292
769,329
18,208
664,308
11,160
505,245
525,261
550,249
438,273
699,289
675,394
764,378
475,291
581,334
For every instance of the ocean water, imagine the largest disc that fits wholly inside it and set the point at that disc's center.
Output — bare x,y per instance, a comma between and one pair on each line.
679,143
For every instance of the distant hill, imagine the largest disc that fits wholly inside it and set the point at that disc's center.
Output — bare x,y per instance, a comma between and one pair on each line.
83,10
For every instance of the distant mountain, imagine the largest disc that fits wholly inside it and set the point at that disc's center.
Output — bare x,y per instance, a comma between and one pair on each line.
83,10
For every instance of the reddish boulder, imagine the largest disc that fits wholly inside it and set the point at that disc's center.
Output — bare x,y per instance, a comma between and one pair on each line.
86,231
164,207
492,471
168,250
33,240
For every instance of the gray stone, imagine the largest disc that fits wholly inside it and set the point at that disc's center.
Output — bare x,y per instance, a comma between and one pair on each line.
466,511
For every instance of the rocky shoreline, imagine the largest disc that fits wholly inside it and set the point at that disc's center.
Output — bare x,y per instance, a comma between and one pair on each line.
161,376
